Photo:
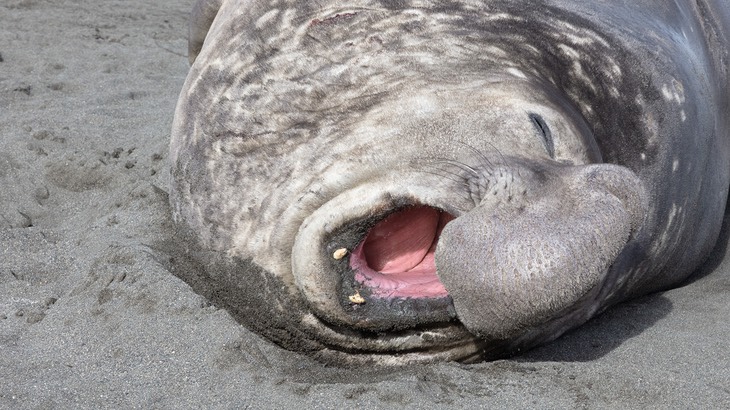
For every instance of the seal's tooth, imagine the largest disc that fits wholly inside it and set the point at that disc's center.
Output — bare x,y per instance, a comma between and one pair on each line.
340,253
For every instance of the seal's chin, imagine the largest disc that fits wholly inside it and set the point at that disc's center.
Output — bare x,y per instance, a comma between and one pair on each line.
396,257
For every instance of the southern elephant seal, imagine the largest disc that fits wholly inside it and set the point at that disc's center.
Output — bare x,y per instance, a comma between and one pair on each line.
415,180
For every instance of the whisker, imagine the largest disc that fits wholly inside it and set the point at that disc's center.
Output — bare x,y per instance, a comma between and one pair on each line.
488,165
465,193
454,177
460,165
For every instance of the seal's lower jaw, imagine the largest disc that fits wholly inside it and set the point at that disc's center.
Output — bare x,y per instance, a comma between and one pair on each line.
396,259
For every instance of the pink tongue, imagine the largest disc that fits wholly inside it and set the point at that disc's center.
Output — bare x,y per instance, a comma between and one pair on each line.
401,242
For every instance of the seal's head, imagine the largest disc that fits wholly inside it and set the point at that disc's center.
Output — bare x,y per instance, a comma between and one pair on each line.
396,184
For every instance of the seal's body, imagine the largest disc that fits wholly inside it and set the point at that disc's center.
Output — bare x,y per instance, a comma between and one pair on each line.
398,181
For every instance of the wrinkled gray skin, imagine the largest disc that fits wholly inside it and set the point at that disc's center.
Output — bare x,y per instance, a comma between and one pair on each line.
582,146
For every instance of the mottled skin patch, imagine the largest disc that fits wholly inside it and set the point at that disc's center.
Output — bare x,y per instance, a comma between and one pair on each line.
302,124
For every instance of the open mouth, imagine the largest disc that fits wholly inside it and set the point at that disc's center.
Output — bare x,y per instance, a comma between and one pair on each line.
366,260
396,257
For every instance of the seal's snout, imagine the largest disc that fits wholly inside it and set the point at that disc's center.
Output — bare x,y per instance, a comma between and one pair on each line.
511,267
396,257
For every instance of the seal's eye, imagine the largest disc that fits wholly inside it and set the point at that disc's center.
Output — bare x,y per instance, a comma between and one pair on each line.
544,132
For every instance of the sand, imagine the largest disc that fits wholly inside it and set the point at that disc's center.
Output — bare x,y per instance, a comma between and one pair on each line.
92,317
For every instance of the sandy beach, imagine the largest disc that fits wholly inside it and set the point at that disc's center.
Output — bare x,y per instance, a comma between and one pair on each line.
92,317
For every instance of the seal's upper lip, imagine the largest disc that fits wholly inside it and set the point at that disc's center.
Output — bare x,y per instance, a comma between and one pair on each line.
396,259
